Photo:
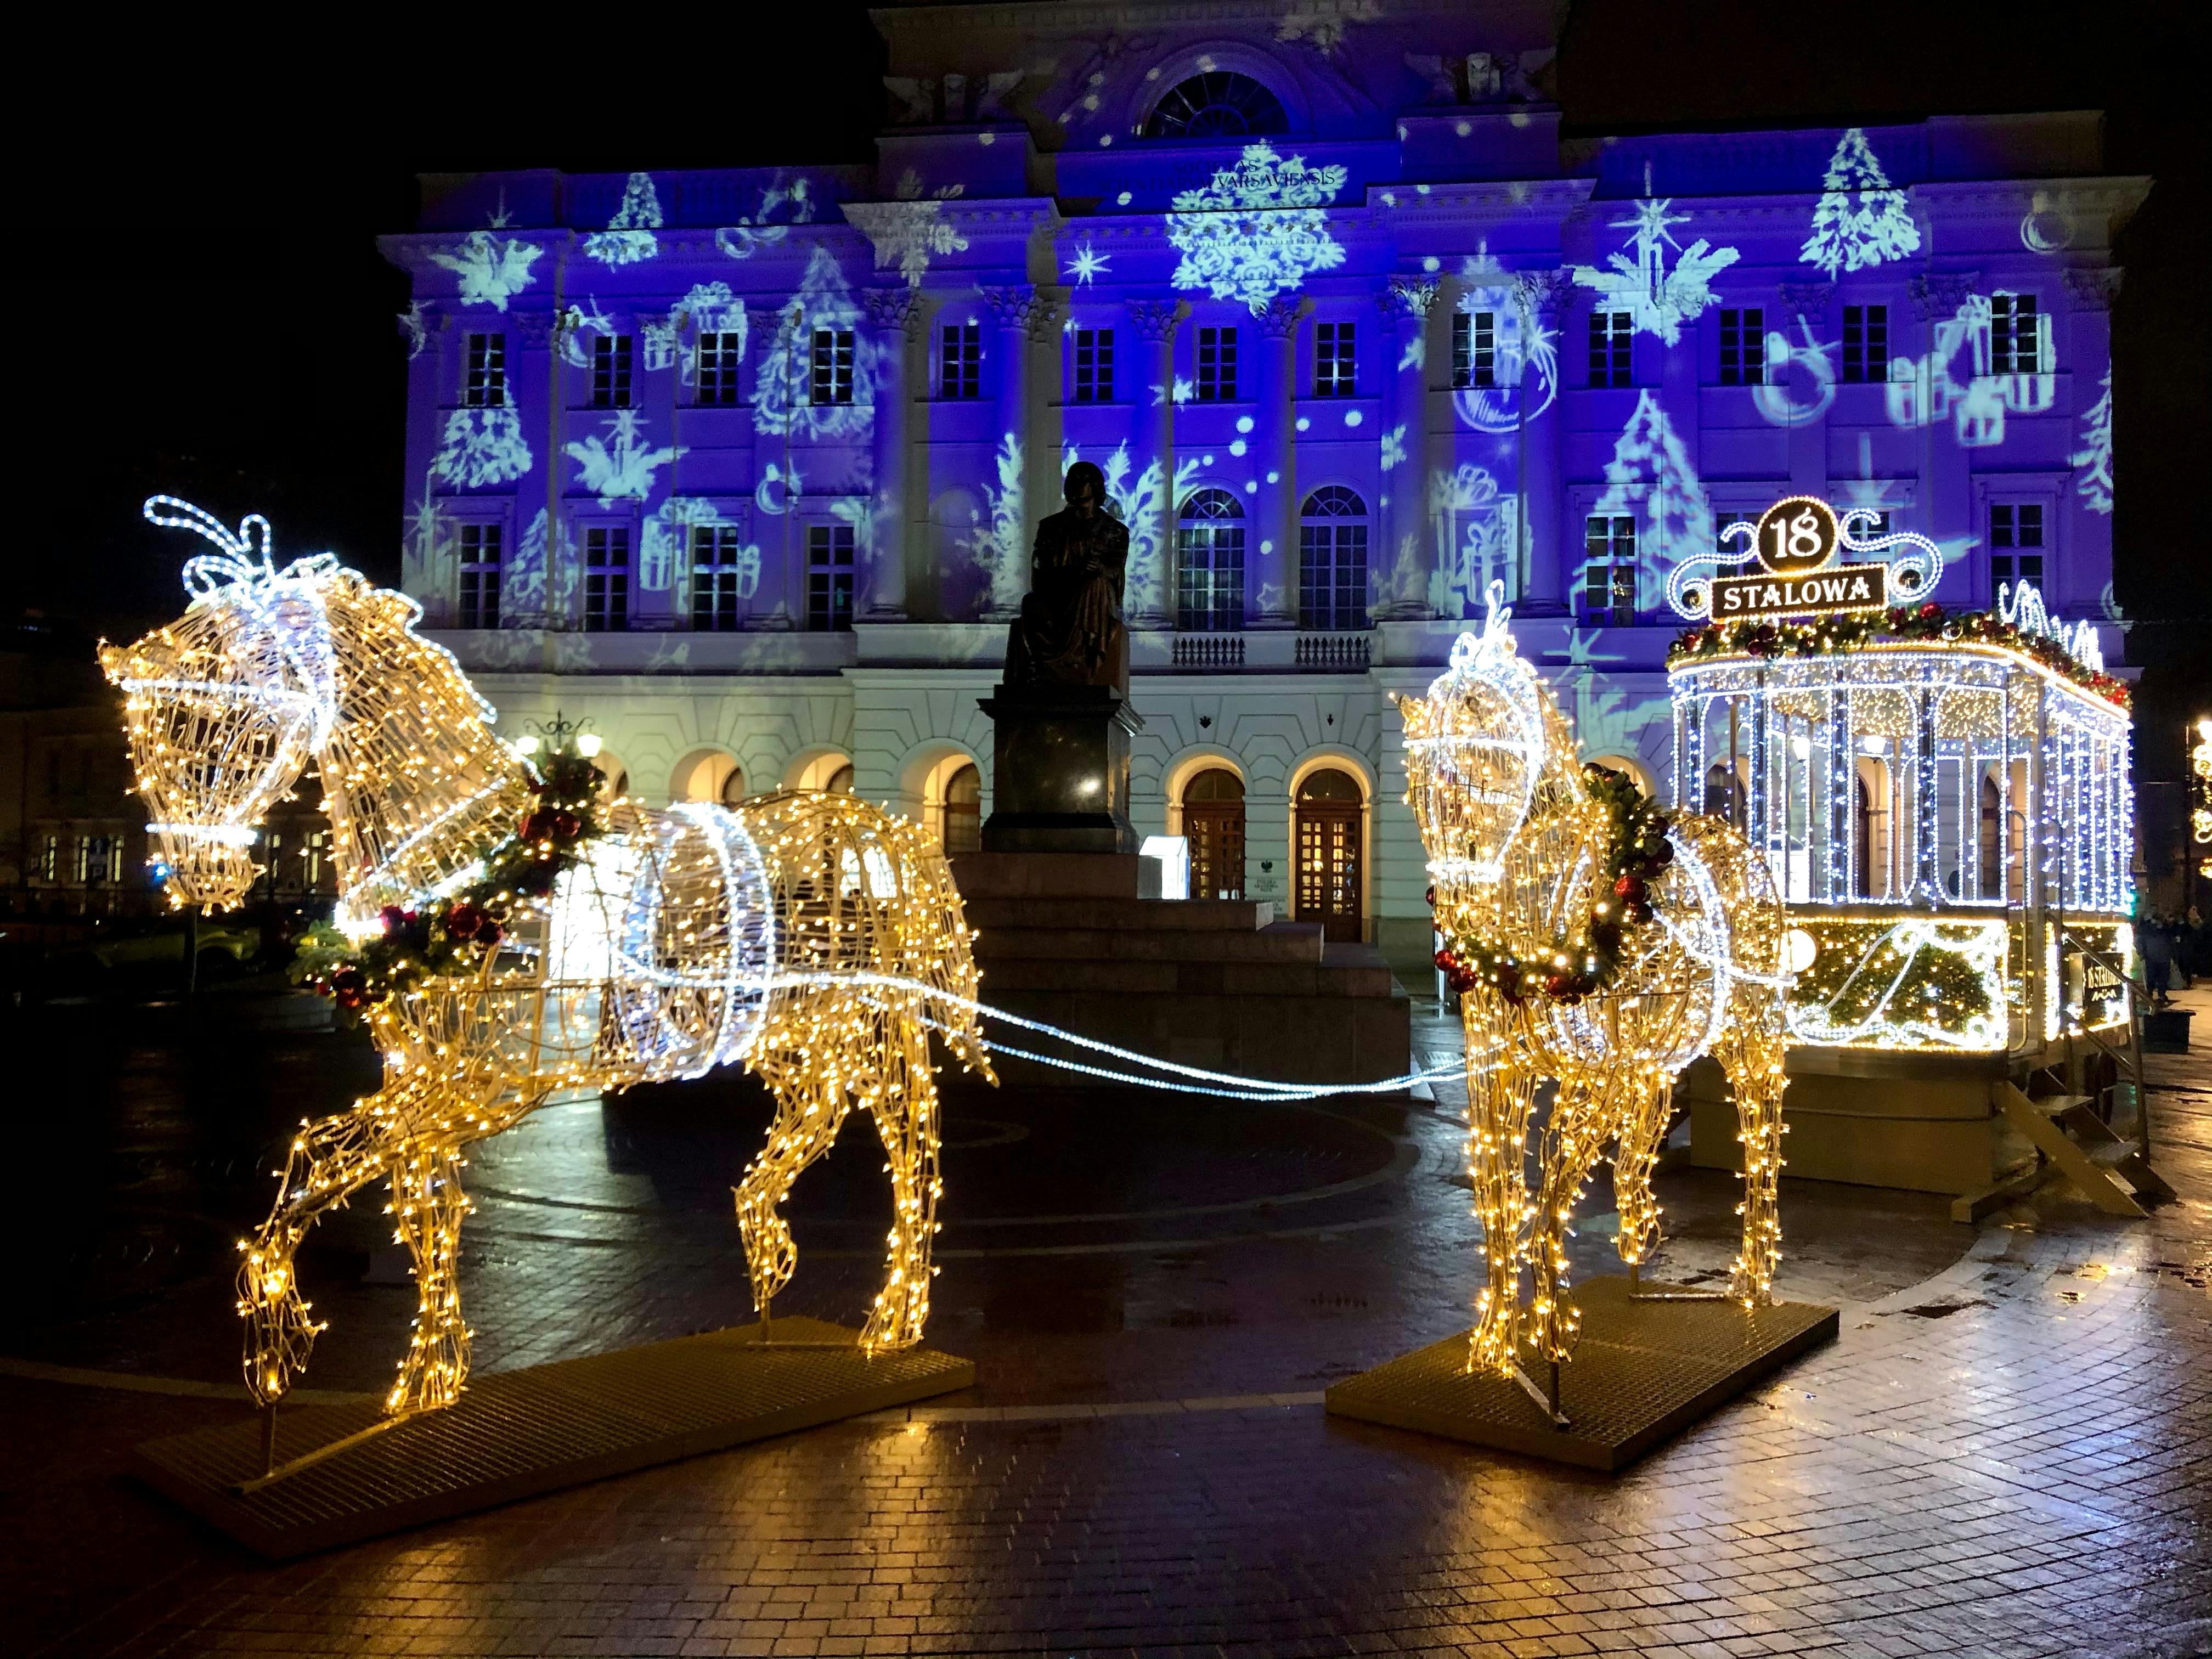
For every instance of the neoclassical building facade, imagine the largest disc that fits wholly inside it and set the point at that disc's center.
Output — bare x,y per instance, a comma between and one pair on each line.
743,464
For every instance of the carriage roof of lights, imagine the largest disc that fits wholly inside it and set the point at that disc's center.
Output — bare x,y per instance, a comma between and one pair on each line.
1923,783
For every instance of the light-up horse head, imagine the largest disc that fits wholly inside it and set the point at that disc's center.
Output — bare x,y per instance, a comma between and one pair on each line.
227,705
1475,751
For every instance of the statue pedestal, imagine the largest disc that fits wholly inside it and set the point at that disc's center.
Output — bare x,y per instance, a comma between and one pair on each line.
1060,769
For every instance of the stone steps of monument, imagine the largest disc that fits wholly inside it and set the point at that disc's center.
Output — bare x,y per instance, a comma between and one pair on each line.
1292,942
1366,975
1116,915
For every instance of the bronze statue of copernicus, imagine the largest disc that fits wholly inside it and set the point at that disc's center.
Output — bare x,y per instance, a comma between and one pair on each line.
1070,631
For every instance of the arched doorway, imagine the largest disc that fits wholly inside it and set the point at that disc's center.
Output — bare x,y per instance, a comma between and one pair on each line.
841,781
1213,823
1327,836
733,785
960,818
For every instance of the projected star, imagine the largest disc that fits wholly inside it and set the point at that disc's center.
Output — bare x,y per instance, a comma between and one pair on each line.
1087,264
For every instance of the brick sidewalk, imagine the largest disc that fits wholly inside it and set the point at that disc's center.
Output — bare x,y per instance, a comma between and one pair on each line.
2003,1455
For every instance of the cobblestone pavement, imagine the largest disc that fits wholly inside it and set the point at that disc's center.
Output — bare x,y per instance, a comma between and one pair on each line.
2005,1454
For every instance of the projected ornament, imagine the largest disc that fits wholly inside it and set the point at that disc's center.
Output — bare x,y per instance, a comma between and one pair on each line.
1257,228
504,942
1594,940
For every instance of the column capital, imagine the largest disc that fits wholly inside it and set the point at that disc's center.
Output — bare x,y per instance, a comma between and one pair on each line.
538,329
896,310
1809,300
1941,293
1405,297
1543,294
1016,306
1156,319
1279,319
2091,289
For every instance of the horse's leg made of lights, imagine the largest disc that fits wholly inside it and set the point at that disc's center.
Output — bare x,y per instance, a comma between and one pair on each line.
1750,1052
1500,1084
905,1111
428,1206
331,1160
813,1093
1644,1122
1583,1118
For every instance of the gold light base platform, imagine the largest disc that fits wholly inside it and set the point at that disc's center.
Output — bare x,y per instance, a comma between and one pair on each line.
1643,1371
519,1433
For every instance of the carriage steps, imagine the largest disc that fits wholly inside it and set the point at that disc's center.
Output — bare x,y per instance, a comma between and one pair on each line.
1218,984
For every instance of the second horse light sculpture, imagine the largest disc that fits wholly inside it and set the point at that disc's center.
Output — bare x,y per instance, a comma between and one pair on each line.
510,950
1595,942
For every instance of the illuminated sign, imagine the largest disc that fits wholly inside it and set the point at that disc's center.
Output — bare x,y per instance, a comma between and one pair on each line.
1795,540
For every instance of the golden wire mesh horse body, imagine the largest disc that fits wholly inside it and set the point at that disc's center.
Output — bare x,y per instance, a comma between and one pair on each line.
1518,843
808,935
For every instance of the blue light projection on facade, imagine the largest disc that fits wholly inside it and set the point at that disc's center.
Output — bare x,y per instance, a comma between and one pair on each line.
1860,220
1257,228
1909,321
492,269
1659,300
628,236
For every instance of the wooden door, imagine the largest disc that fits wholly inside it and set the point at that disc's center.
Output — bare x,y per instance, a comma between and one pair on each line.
1330,885
1213,825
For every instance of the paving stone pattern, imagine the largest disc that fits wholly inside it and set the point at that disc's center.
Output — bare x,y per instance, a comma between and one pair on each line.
2005,1454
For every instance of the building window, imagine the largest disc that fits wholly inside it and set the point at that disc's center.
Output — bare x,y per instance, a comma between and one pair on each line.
1218,104
1743,347
1210,563
49,859
717,574
1866,344
1217,365
606,578
1333,560
1610,573
828,578
959,361
1334,375
1610,333
718,370
611,371
480,551
487,381
2015,543
1474,348
2015,338
832,378
1094,365
960,819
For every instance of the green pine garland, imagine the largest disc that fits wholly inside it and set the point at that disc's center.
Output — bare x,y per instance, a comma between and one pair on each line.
1637,852
453,935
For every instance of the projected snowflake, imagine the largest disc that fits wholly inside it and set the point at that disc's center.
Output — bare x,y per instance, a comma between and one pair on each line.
910,232
492,269
1659,300
1087,264
483,446
1860,221
1257,229
628,236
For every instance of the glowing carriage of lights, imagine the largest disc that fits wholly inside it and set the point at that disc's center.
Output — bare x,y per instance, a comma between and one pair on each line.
1944,799
525,949
1595,942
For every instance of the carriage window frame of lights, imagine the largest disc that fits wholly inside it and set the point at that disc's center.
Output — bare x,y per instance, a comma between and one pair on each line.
1965,906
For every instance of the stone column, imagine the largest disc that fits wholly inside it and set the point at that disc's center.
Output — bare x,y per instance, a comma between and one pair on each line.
544,336
1272,601
1542,301
896,317
1408,551
2075,586
1808,417
1151,587
1016,310
1946,493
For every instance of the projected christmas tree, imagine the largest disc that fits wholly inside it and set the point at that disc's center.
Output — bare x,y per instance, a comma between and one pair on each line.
1860,221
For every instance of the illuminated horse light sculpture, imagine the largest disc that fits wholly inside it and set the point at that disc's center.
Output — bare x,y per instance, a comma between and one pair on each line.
1516,838
807,935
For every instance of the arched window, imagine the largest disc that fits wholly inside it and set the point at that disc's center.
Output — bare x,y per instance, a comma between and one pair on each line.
960,819
1329,887
1870,842
1333,560
1213,825
1210,563
1219,104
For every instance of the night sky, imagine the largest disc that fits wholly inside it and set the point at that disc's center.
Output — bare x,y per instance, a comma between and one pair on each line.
196,280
